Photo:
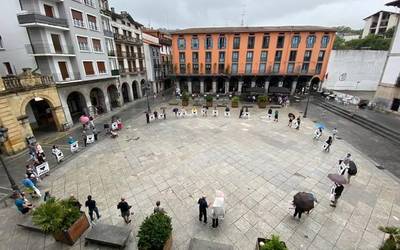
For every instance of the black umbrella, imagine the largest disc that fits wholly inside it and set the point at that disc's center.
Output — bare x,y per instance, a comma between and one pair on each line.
175,110
304,201
339,179
291,115
352,167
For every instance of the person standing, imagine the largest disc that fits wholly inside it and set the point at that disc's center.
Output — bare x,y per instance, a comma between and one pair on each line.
22,205
334,133
84,137
336,192
298,123
95,133
91,205
276,116
158,208
328,144
125,210
75,202
298,211
203,209
269,113
147,117
30,186
241,113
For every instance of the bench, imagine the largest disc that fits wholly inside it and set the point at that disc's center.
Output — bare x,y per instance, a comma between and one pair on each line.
28,224
109,235
197,244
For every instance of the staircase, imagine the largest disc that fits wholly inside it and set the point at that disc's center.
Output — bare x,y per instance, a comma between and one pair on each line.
375,127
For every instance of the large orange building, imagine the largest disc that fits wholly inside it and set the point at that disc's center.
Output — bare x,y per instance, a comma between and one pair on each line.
238,59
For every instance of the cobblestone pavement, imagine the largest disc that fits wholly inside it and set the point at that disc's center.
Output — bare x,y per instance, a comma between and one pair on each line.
257,163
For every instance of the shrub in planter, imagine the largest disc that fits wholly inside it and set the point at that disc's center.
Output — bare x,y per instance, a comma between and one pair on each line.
209,101
155,233
271,244
61,218
185,99
393,241
235,102
262,101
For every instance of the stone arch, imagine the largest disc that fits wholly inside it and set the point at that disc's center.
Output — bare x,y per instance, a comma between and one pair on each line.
315,81
220,85
97,99
113,96
125,92
142,87
77,106
135,90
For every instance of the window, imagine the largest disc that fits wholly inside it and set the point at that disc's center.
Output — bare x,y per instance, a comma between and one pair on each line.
292,55
48,10
250,42
195,43
310,41
63,70
321,55
264,55
88,68
221,68
181,57
234,68
324,41
208,68
221,57
249,56
295,41
182,68
195,57
8,68
89,3
275,68
236,42
83,43
92,23
307,56
235,56
265,43
318,68
1,43
304,67
208,57
77,18
290,67
221,42
101,67
280,42
195,68
278,55
97,45
261,68
209,42
181,43
248,68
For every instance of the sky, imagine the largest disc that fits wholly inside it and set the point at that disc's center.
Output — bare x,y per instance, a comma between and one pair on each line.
174,14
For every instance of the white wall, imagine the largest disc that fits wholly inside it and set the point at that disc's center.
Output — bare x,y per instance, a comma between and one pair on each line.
14,40
355,69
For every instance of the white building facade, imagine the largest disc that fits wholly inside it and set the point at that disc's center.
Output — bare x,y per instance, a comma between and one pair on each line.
379,22
152,56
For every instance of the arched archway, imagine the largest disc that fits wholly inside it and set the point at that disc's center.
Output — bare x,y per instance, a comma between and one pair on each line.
315,83
195,85
113,96
208,85
76,105
97,100
135,90
233,84
143,87
220,85
125,92
246,84
183,85
41,116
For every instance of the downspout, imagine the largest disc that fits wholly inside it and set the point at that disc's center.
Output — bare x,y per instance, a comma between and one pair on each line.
30,41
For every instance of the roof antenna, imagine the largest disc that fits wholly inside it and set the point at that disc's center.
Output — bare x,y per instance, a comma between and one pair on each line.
243,15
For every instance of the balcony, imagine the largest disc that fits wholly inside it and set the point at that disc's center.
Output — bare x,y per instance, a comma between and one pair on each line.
25,81
111,53
38,20
165,41
42,49
127,39
108,33
115,72
125,54
70,76
128,71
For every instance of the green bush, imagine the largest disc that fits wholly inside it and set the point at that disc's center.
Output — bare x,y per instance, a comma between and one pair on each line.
209,98
185,96
262,98
393,242
274,244
154,232
55,215
235,99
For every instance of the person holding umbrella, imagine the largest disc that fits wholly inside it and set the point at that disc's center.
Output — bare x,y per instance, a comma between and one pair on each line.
337,187
350,169
328,144
291,118
303,202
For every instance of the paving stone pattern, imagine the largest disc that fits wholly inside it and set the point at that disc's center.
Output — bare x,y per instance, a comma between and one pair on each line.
258,164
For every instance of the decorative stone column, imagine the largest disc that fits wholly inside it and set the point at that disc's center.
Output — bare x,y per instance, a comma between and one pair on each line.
294,85
226,86
189,83
266,87
240,84
201,86
214,86
253,83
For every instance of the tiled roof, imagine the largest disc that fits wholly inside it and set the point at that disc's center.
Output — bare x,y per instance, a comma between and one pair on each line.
252,29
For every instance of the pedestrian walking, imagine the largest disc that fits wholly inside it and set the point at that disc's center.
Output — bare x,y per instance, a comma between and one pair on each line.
84,137
336,192
269,114
125,210
39,150
158,208
95,133
334,133
47,196
155,114
241,113
23,205
290,121
91,205
147,117
327,144
276,116
203,209
31,188
317,133
165,115
91,122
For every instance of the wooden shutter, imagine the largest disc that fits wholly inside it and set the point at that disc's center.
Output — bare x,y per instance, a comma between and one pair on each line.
91,19
48,10
77,15
101,67
96,44
88,68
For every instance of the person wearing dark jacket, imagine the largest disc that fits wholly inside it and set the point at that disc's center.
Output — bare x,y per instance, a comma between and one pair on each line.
125,210
203,208
336,192
91,205
328,144
241,113
147,117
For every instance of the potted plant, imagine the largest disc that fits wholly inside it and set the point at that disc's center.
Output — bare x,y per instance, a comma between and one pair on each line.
270,244
209,101
262,101
62,218
235,102
155,233
393,241
185,99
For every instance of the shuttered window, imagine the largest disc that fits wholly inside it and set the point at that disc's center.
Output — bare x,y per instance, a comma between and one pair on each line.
77,18
96,45
92,22
89,70
83,43
101,67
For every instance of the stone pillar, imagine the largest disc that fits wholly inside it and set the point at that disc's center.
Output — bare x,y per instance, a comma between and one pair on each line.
240,84
266,86
130,93
294,85
214,86
140,91
177,85
154,88
201,86
253,83
226,86
189,83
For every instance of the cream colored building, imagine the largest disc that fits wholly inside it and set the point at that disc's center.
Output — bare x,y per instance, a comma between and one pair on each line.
28,103
379,22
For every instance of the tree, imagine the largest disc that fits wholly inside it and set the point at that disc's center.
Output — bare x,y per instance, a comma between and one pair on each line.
371,42
339,43
390,32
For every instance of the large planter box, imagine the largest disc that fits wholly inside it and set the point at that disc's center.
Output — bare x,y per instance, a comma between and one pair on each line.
262,105
185,102
168,244
264,240
209,104
71,235
235,104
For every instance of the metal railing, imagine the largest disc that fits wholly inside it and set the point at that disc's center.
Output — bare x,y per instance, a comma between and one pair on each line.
127,54
33,18
108,33
71,76
43,48
26,81
123,38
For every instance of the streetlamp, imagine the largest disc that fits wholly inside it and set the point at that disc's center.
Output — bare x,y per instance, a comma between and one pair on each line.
3,138
308,96
147,88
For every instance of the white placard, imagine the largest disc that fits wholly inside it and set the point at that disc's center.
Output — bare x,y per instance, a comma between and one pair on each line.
246,115
43,168
227,114
215,112
194,112
151,117
179,114
160,116
59,156
114,126
203,112
90,139
74,147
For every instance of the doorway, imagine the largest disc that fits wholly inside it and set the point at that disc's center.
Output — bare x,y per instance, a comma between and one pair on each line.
395,104
125,93
55,38
63,69
76,105
40,116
